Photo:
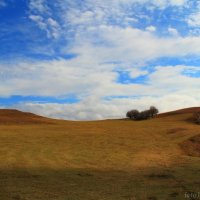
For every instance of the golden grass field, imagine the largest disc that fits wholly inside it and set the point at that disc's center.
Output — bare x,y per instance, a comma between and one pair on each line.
45,159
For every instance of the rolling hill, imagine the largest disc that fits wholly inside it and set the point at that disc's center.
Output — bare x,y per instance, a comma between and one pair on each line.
9,116
46,159
181,111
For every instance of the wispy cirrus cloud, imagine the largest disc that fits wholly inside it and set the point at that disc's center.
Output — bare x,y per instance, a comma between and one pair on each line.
38,6
49,25
77,15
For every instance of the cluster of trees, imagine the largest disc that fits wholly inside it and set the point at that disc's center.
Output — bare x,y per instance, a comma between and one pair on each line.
146,114
197,117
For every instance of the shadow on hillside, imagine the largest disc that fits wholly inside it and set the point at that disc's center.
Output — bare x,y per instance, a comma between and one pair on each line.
85,184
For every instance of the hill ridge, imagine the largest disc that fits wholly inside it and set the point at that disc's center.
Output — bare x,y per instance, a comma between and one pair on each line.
180,111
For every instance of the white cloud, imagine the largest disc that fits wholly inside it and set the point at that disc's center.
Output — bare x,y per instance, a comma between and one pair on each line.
129,20
39,20
86,13
151,28
102,11
131,46
52,22
177,2
175,79
136,73
51,26
83,75
38,6
65,77
194,19
54,28
86,17
173,31
169,88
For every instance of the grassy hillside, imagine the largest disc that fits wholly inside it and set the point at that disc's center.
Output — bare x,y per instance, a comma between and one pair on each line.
99,160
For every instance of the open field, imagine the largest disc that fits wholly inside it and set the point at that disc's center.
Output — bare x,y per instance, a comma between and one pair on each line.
43,159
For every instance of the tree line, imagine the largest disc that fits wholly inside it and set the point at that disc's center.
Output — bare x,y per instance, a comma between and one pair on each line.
143,115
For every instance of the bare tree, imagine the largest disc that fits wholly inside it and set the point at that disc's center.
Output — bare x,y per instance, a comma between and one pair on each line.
146,114
132,114
153,111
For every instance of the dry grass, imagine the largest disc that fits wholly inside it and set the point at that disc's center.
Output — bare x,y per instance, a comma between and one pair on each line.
191,146
111,159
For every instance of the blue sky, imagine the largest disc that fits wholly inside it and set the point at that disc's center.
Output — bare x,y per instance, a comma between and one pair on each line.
94,59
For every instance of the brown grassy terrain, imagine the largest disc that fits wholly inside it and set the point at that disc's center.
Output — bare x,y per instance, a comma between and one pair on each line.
191,146
97,160
8,116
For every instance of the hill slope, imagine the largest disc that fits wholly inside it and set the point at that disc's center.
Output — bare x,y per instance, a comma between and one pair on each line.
181,111
101,160
9,116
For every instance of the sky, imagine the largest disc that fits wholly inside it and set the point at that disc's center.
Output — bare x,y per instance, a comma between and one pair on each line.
97,59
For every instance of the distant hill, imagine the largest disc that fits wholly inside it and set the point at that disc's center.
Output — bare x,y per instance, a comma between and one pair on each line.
180,111
11,116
